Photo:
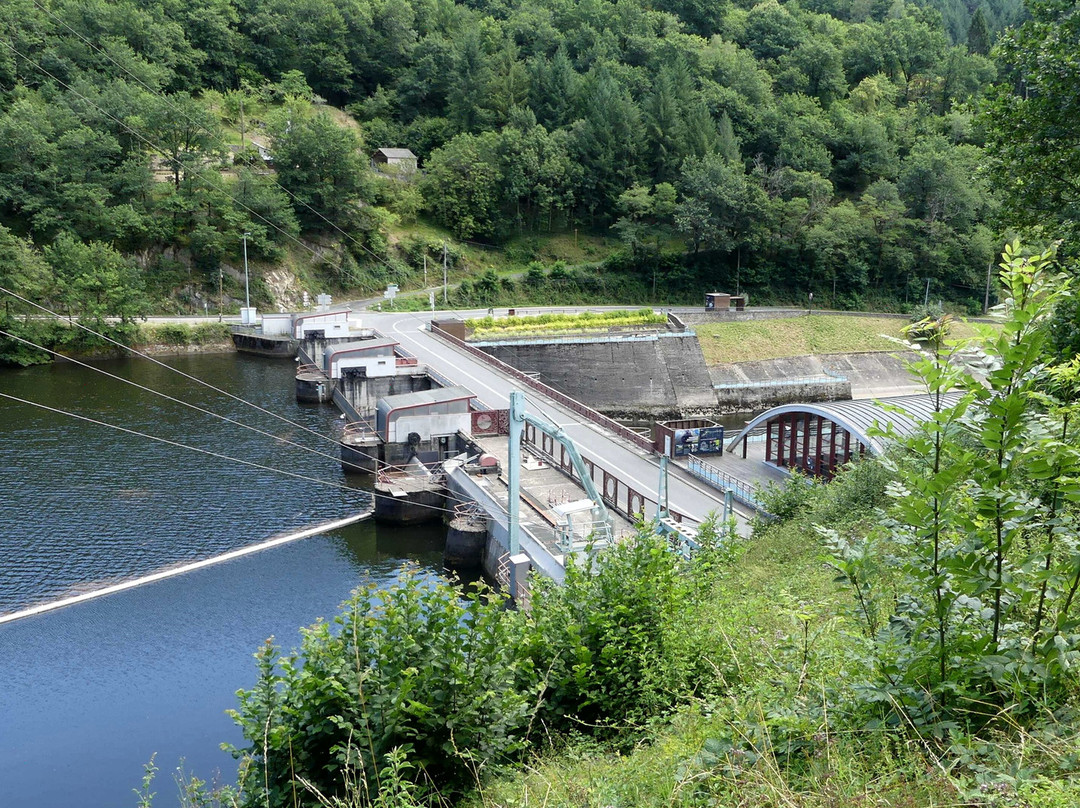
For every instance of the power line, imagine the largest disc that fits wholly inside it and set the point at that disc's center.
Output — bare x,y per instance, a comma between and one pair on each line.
159,363
164,96
195,407
209,453
187,169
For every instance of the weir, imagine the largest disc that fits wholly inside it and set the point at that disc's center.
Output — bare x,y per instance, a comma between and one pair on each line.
172,572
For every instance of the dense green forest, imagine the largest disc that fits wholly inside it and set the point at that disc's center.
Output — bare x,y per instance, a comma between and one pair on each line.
829,145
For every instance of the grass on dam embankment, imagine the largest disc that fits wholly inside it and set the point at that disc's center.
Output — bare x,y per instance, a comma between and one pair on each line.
798,336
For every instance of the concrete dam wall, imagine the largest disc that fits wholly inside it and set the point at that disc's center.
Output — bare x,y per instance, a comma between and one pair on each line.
656,374
665,375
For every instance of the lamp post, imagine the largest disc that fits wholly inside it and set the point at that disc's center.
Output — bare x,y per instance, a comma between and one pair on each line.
247,291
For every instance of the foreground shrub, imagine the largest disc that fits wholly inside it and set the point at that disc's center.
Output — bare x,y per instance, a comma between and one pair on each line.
418,668
617,642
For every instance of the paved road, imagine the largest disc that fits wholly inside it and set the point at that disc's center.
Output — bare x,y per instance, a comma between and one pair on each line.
634,466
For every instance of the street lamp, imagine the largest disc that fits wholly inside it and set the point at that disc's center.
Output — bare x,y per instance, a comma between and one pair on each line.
247,292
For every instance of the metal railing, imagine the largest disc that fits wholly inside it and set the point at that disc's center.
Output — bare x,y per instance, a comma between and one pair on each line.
572,338
725,482
616,493
560,398
826,379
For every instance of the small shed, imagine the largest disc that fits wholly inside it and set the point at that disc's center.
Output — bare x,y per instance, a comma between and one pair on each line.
429,413
371,357
401,159
721,301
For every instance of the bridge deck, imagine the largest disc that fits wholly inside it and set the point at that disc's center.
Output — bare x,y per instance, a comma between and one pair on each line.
635,466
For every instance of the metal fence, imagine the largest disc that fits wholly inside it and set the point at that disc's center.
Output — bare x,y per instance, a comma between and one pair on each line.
706,471
617,494
805,380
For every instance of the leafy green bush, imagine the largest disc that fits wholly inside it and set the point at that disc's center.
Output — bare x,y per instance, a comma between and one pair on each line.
613,640
168,334
789,498
966,591
210,333
417,667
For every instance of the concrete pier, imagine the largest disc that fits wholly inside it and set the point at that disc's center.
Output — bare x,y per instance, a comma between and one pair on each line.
466,539
404,499
312,386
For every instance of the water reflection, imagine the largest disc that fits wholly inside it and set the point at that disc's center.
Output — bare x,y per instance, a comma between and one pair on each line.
91,691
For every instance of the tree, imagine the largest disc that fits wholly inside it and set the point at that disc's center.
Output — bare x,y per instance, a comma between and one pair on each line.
982,612
23,271
96,283
182,131
319,163
607,140
1033,121
721,208
470,82
461,184
978,34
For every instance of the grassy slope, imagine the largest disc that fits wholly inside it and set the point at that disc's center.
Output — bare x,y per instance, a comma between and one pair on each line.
776,586
790,630
797,336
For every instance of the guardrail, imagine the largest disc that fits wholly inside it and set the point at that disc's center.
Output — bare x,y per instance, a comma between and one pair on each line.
826,379
561,398
722,481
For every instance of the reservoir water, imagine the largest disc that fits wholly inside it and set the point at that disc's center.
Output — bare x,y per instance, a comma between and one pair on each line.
90,692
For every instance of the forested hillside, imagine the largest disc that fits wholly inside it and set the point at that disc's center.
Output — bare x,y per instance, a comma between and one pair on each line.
827,146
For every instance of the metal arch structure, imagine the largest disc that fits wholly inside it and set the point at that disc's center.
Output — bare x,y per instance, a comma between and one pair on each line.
904,413
518,419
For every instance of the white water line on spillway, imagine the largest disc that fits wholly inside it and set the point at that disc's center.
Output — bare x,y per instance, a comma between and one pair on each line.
184,568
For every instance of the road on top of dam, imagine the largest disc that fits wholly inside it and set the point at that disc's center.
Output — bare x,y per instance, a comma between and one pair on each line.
634,466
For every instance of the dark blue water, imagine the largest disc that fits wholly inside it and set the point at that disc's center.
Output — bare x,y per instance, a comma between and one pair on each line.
91,691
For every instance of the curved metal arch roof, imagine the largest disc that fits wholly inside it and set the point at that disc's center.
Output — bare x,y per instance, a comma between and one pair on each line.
858,416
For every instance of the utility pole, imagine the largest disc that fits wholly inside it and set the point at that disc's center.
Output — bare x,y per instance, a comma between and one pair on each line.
247,289
220,296
425,270
241,120
926,297
444,273
986,300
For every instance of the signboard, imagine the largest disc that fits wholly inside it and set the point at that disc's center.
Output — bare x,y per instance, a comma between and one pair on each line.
491,422
699,440
391,292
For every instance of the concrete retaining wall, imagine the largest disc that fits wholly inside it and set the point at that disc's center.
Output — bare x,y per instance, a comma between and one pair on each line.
661,376
667,376
869,374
